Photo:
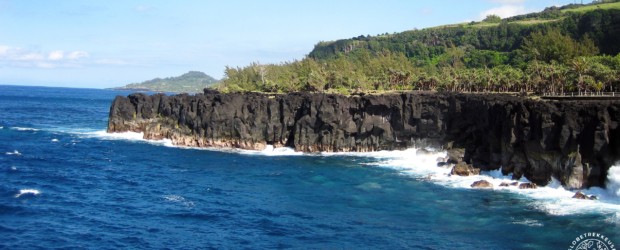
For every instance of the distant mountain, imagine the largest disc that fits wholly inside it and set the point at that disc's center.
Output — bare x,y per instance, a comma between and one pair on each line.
190,82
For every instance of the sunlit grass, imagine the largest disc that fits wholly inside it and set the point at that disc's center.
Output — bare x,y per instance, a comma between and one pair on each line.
603,6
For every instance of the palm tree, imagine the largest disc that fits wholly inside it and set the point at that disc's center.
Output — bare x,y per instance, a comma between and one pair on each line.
580,67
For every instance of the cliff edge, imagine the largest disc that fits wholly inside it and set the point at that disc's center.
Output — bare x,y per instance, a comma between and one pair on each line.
573,141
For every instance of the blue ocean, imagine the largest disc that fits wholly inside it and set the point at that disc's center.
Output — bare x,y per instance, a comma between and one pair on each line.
65,183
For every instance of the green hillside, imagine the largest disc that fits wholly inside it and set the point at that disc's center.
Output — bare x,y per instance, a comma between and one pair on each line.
190,82
602,6
569,48
598,22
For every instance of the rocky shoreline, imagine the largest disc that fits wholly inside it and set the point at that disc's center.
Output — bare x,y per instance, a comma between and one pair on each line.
573,141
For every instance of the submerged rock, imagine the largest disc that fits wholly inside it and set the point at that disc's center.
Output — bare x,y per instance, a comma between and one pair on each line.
482,184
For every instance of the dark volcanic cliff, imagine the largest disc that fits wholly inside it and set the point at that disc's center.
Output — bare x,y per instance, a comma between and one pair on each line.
574,141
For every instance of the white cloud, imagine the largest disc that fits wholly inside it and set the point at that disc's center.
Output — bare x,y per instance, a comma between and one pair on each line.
4,50
77,55
29,56
505,11
56,55
15,56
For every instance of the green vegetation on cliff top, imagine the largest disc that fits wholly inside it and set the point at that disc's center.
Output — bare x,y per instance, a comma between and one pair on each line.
190,82
561,49
604,6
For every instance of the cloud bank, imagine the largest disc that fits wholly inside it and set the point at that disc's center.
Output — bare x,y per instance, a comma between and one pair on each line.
506,8
15,56
505,11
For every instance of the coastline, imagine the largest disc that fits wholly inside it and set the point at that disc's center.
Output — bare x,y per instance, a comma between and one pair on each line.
420,164
572,141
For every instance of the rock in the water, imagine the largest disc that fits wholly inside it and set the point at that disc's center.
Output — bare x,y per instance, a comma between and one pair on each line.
422,152
581,196
506,184
455,155
528,185
464,169
482,184
443,164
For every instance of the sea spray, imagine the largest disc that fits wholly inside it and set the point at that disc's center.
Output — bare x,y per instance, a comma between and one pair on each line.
613,181
15,152
422,165
24,129
125,136
552,198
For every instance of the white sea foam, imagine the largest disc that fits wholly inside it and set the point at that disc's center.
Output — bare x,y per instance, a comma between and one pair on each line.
129,136
126,136
178,199
134,136
270,150
24,129
27,192
15,152
553,198
54,140
528,222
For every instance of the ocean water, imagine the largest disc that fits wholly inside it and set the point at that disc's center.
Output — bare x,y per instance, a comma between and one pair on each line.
65,183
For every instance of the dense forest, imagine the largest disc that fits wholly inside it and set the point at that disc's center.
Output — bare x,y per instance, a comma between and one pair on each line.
574,48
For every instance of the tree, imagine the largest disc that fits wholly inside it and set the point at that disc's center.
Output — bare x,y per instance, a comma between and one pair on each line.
580,68
492,19
554,46
603,75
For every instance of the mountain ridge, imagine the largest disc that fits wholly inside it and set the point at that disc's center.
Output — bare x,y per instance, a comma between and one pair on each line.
190,82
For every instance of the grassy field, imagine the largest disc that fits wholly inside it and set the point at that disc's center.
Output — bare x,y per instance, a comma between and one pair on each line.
536,21
604,6
486,24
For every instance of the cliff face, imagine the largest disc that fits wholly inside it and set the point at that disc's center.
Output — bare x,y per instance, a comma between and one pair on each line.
574,141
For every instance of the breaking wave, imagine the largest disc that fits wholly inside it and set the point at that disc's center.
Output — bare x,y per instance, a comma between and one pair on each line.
422,164
25,192
553,198
24,129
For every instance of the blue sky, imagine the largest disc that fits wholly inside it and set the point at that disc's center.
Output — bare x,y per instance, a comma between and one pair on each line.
98,44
